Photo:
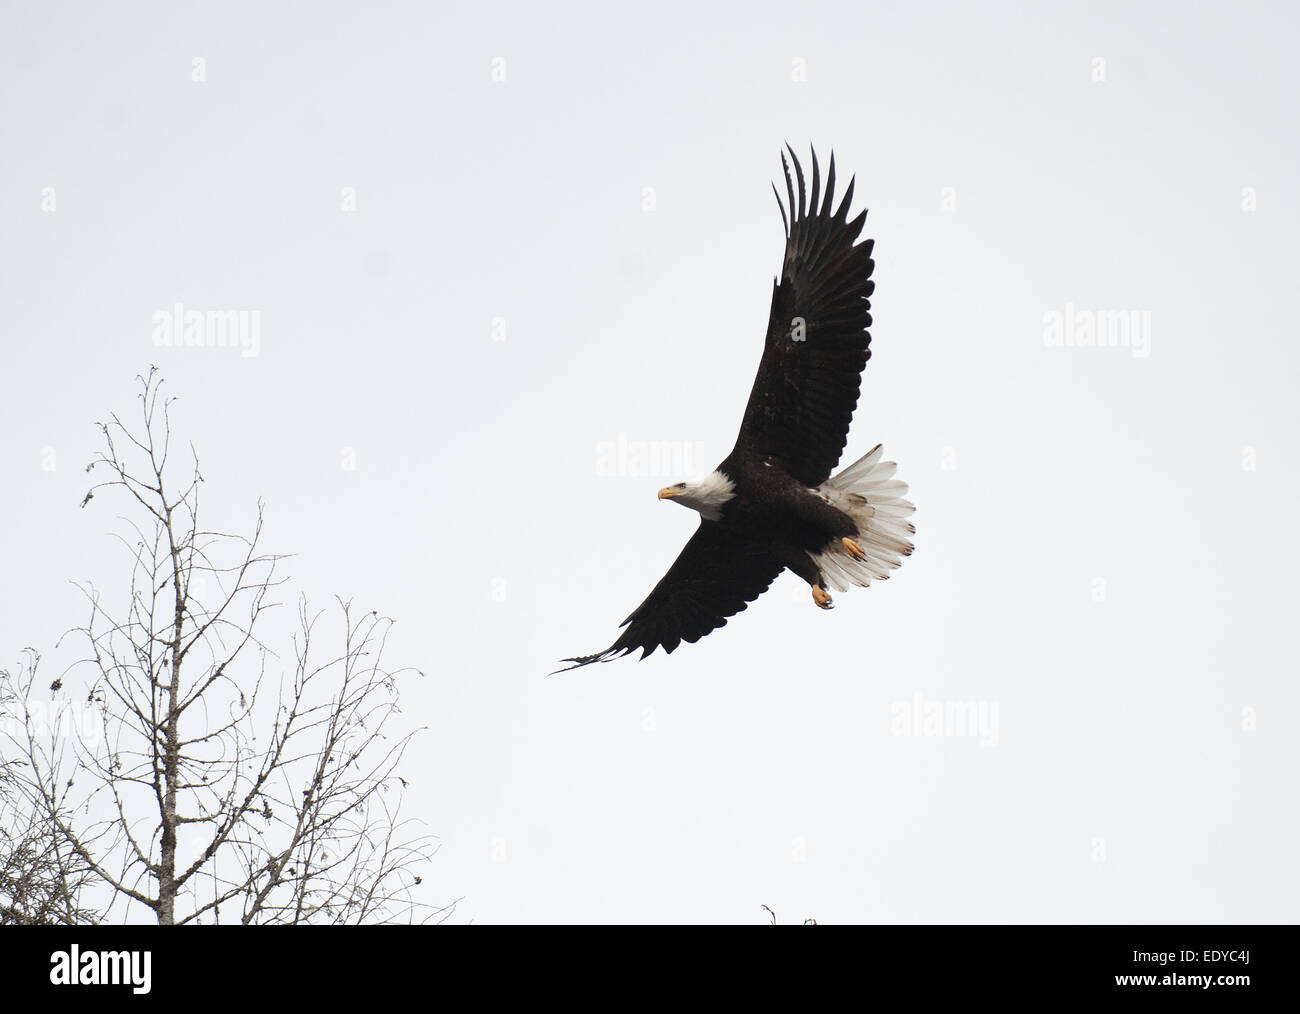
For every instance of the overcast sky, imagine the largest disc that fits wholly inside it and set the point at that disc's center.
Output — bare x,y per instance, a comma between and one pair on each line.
498,255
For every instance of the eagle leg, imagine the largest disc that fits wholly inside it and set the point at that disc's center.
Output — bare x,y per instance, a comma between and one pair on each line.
822,599
853,549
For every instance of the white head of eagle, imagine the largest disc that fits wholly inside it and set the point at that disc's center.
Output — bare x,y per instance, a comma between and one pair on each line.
706,496
776,502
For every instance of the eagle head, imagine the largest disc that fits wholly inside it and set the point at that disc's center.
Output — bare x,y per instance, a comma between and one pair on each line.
706,496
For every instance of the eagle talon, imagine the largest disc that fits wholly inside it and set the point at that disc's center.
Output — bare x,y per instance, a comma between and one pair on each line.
853,549
821,598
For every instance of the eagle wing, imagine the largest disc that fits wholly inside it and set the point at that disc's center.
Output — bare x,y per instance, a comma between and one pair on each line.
817,340
716,575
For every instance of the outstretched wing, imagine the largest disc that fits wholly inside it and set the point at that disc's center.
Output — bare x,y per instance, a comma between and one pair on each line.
717,574
817,341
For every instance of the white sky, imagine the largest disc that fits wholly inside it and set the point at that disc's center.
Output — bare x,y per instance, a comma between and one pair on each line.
760,766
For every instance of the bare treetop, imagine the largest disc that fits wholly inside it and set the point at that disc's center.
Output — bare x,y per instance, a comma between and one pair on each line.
221,781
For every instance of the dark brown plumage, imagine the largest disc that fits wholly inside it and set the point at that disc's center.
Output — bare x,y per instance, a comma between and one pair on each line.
805,391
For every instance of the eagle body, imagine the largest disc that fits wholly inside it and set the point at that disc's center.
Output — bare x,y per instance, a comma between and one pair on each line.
773,503
777,509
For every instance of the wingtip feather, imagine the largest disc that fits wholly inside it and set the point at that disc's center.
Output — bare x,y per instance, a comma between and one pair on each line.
830,187
803,192
843,213
784,221
789,188
815,197
608,655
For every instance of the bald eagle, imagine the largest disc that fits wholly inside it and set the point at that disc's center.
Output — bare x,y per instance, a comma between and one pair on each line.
772,503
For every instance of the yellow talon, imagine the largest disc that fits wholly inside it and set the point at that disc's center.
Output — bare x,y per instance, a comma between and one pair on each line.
853,549
821,598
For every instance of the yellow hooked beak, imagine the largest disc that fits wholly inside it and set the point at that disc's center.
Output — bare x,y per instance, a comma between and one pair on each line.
668,492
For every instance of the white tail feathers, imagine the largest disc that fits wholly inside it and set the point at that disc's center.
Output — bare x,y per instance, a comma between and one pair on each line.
868,492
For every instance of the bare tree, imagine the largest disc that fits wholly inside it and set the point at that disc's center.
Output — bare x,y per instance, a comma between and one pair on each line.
193,781
772,918
41,878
